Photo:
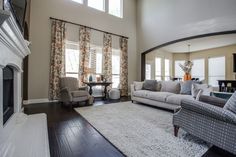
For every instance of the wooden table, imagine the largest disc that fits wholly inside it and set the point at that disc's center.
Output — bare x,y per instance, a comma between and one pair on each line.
105,84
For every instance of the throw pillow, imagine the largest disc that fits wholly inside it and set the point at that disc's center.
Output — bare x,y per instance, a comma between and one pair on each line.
199,95
158,86
150,85
204,87
170,86
185,87
231,103
138,85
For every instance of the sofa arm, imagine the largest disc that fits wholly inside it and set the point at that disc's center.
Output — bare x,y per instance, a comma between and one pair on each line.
209,110
132,89
65,95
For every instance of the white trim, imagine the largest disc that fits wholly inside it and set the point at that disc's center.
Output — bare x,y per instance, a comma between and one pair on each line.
37,101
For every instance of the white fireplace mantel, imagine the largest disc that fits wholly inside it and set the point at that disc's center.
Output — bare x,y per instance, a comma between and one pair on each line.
20,130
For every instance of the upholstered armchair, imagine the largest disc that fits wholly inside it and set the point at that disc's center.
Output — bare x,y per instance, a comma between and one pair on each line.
70,91
210,122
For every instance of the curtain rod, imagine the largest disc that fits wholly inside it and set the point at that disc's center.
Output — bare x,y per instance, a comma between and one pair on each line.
52,18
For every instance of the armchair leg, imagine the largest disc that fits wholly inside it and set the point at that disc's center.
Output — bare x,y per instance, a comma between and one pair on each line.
176,130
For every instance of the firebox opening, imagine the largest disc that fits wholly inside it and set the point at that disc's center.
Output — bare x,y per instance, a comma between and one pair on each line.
8,93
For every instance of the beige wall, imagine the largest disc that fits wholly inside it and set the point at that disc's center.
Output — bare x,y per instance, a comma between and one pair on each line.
41,10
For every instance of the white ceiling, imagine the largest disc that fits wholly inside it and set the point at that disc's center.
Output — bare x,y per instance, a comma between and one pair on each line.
202,43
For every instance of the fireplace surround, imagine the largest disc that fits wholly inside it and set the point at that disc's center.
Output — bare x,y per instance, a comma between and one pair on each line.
17,130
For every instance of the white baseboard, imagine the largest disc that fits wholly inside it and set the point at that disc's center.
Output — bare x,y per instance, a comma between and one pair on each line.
37,101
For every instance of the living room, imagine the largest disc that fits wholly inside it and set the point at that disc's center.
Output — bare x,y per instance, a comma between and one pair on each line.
117,78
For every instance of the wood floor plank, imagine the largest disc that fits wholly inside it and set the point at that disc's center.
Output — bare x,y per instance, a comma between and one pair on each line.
70,135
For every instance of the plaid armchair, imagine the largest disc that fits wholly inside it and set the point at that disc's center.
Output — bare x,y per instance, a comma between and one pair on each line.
208,122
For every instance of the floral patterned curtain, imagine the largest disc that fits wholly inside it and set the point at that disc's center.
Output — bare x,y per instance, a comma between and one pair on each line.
84,46
124,66
57,66
107,55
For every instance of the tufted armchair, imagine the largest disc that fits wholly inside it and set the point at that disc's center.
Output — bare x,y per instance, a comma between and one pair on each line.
70,91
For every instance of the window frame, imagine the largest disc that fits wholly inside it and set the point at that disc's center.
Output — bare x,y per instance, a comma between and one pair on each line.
204,67
179,67
121,9
103,9
158,76
224,76
75,44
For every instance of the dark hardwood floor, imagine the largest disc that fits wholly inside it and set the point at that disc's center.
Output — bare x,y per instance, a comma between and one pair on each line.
70,135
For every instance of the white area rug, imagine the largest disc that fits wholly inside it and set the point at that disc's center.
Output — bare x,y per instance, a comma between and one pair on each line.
141,131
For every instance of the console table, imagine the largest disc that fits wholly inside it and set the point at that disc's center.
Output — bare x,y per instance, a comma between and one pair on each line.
223,85
105,84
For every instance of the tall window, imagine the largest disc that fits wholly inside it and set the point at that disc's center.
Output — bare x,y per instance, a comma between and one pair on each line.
167,69
158,68
97,4
72,60
216,70
148,72
78,1
115,68
116,7
179,73
198,69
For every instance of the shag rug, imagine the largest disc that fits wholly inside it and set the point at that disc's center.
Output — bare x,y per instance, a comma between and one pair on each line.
142,131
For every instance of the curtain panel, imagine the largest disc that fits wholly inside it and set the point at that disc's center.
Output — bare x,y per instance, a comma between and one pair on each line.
84,47
124,66
57,64
107,55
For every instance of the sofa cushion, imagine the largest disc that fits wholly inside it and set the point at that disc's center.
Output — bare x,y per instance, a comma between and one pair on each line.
79,93
231,103
141,93
177,98
158,96
138,85
170,86
150,85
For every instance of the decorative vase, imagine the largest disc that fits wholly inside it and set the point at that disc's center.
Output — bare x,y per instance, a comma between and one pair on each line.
187,77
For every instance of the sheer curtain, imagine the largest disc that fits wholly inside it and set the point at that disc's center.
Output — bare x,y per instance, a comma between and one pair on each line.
57,64
124,66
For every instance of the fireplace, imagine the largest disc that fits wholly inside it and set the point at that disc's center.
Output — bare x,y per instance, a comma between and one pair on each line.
8,93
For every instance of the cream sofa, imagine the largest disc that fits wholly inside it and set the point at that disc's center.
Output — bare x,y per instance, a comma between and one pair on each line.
166,96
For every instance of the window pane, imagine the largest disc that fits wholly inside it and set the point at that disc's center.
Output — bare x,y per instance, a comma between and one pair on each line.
216,70
115,81
148,72
179,73
97,4
115,61
72,75
158,68
78,1
99,62
198,69
72,60
167,69
115,7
